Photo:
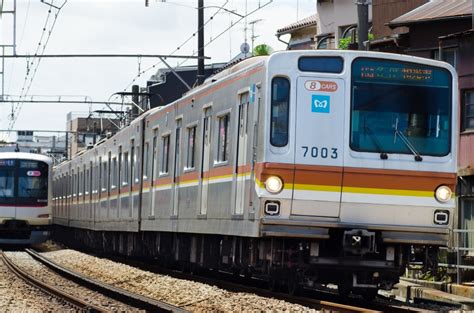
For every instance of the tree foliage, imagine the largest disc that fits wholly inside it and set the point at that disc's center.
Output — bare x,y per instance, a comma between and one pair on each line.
344,42
262,49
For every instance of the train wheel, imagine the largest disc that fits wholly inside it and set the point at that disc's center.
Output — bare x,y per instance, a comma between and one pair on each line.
293,286
343,290
274,284
369,294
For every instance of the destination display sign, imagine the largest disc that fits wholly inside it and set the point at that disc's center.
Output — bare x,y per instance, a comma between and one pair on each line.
397,72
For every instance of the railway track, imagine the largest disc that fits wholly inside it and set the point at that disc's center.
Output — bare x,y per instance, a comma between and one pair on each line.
236,288
318,300
119,294
73,301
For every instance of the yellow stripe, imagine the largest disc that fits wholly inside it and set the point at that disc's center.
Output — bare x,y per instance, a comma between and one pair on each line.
392,192
373,191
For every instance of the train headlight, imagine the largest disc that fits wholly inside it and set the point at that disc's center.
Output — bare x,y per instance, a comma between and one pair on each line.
274,184
443,194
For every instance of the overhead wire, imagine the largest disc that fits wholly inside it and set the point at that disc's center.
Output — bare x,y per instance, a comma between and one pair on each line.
260,6
193,35
41,46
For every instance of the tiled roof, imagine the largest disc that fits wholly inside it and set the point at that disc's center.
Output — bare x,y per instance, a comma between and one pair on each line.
435,10
309,21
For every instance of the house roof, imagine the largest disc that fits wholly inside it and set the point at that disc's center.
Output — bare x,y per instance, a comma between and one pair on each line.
435,10
308,21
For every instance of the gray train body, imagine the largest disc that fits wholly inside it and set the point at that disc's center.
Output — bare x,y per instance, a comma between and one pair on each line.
256,172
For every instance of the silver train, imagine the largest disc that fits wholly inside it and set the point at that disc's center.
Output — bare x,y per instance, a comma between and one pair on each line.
299,168
25,198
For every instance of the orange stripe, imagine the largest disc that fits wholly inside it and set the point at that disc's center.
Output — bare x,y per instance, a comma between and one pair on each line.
189,176
355,177
242,169
218,171
393,179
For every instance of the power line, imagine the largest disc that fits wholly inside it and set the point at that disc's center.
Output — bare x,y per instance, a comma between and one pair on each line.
178,48
16,111
260,6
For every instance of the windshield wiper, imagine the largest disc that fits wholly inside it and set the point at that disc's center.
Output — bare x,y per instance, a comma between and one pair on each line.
383,155
407,143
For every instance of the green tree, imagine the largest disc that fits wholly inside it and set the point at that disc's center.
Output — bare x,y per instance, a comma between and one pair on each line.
262,49
344,42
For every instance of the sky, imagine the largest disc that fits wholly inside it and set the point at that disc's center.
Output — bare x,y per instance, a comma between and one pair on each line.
119,27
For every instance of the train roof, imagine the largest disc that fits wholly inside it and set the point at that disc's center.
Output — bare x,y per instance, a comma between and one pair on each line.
25,156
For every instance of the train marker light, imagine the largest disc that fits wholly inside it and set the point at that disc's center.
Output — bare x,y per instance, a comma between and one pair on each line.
443,194
274,184
441,217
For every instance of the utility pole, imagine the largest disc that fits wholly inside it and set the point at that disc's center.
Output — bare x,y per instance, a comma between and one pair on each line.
4,45
362,22
200,70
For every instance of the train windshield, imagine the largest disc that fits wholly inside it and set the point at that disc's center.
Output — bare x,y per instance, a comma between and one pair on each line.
400,107
23,182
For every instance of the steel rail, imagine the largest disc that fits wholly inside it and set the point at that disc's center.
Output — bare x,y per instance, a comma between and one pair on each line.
50,290
119,294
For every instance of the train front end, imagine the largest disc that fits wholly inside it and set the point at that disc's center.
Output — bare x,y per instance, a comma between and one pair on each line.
25,206
359,169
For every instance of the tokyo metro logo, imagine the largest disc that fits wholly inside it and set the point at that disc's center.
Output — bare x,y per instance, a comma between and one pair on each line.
320,103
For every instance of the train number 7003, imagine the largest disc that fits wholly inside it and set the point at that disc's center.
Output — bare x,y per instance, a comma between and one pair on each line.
321,152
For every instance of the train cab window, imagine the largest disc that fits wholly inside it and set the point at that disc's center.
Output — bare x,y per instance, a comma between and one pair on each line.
191,147
166,155
279,113
223,138
321,64
400,107
32,182
7,176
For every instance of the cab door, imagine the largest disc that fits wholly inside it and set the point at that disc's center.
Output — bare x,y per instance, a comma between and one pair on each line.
317,184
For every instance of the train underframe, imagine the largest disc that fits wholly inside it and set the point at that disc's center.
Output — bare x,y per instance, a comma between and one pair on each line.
288,264
20,232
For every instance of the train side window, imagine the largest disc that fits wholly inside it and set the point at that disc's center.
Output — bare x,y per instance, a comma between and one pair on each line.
119,168
125,169
223,138
114,173
190,159
109,172
154,156
103,176
321,64
166,155
137,163
145,161
279,113
132,160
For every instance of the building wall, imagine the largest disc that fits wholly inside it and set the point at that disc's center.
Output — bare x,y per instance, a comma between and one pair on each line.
386,10
334,14
424,36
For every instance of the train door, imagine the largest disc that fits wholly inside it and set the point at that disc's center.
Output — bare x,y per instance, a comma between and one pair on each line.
242,169
317,184
205,160
177,166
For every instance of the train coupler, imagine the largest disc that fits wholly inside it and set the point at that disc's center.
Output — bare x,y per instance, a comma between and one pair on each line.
359,241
